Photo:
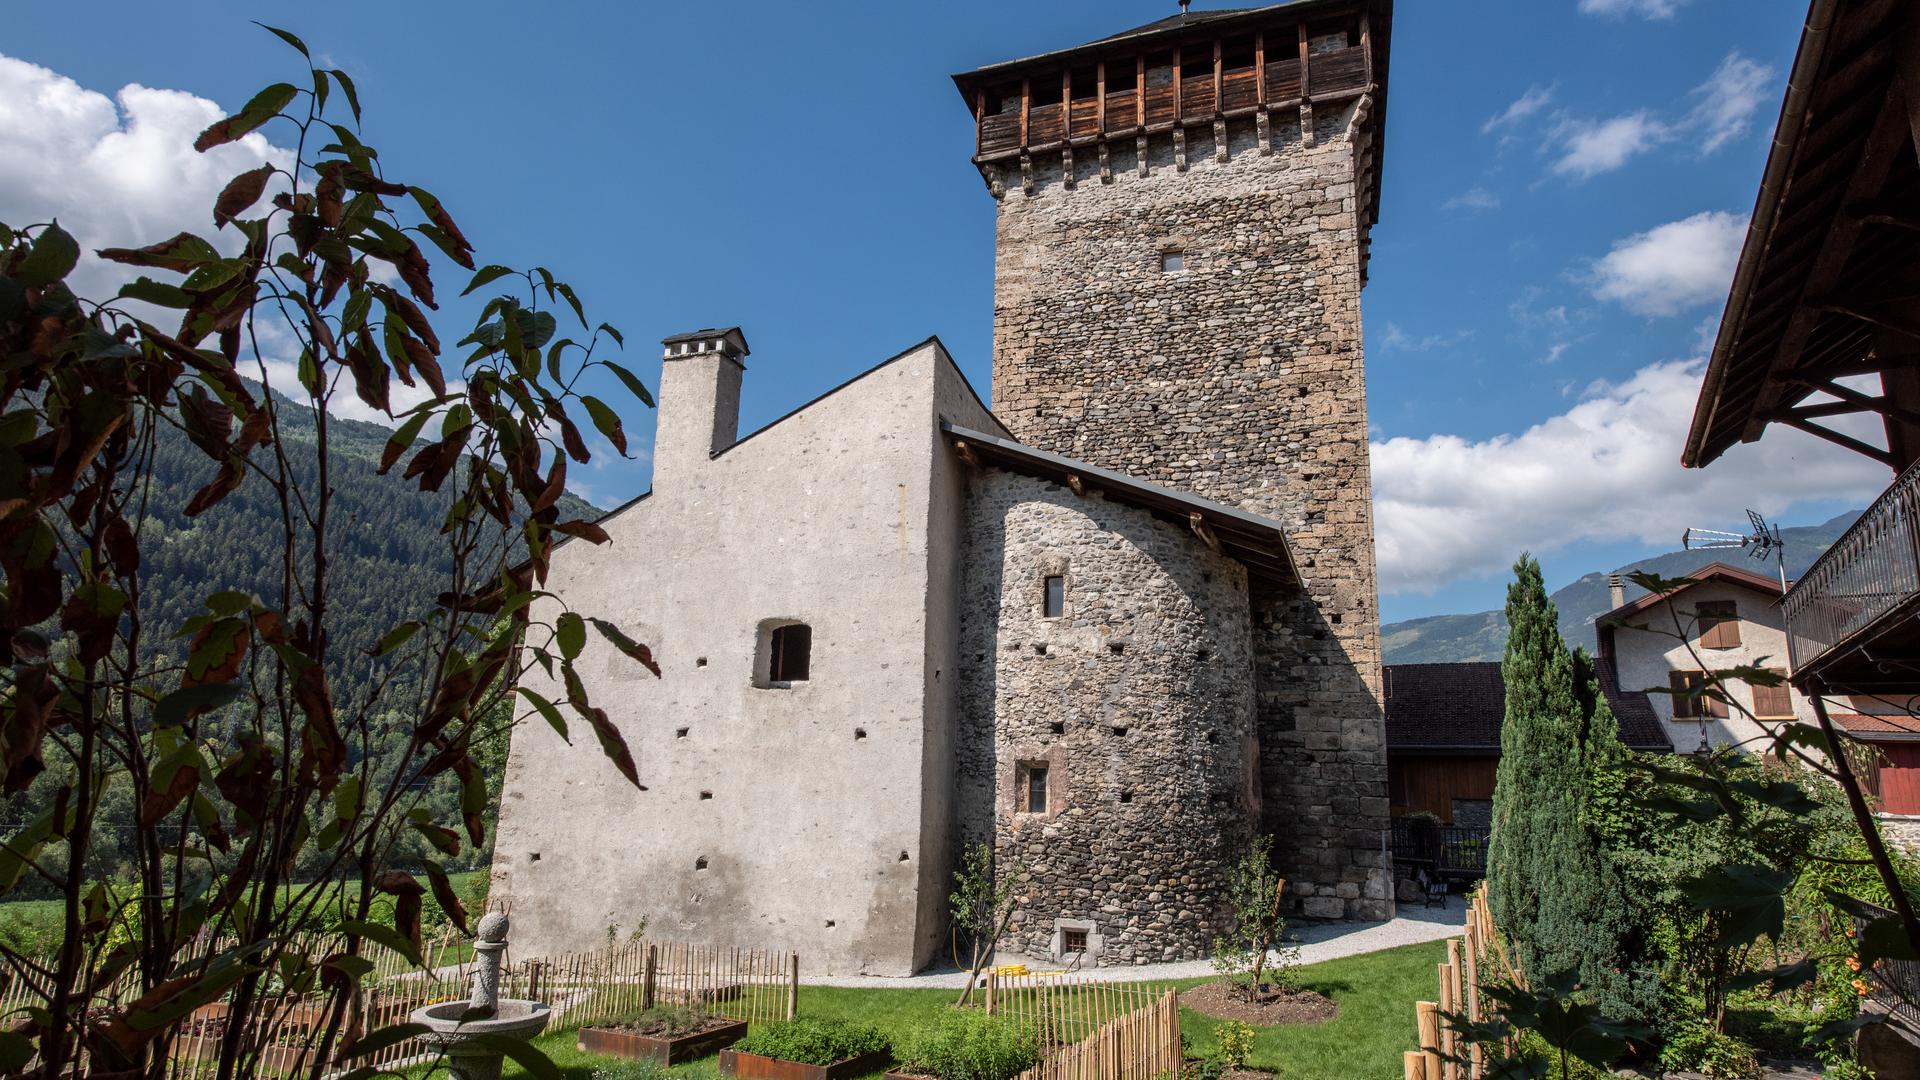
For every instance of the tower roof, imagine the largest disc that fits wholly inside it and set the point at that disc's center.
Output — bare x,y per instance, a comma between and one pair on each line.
1216,20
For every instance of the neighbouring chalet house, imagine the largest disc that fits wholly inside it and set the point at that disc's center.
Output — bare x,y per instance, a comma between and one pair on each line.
1728,617
1119,627
1443,750
1823,322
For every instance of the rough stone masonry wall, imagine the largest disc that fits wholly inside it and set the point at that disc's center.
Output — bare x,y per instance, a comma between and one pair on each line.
1139,699
1240,378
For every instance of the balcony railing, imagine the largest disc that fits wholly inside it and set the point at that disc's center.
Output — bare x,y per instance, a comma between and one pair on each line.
1450,850
1873,568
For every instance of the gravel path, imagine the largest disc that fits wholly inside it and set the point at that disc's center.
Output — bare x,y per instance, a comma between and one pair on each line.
1317,941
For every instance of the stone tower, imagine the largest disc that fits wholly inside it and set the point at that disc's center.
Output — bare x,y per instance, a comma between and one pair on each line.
1184,211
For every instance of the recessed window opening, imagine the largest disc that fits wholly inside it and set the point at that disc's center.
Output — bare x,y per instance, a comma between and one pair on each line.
1236,54
1086,84
1120,78
1197,66
1119,729
1173,262
1032,783
784,654
1160,69
1056,598
1126,796
1116,647
1073,941
1005,100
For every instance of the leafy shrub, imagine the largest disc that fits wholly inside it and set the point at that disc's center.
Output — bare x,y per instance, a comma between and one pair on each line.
814,1041
1694,1045
1206,1068
1236,1042
969,1045
662,1021
631,1070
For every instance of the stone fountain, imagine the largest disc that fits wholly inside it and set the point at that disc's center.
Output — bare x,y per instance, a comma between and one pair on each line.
457,1025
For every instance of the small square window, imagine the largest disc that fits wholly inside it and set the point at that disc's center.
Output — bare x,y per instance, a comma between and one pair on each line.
1073,941
791,653
1173,262
1056,602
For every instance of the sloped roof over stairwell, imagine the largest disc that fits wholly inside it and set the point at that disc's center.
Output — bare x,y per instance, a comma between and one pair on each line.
1458,708
1256,542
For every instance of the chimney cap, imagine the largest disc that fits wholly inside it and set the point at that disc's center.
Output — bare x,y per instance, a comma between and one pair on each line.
727,341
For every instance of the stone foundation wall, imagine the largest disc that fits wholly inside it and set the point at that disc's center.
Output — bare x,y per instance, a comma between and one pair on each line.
1240,378
1902,831
1139,701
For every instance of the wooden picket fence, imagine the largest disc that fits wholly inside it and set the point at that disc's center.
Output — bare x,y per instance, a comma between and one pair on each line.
755,985
1476,955
1139,1045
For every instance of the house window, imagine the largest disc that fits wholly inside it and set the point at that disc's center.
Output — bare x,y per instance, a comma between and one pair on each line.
1719,625
1056,602
1773,702
1173,262
784,655
792,651
1073,941
1031,782
1685,707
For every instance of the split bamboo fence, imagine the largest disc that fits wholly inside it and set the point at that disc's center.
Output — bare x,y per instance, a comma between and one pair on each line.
1092,1030
1477,956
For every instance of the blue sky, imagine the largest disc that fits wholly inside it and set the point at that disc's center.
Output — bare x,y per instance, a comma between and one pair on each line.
1566,184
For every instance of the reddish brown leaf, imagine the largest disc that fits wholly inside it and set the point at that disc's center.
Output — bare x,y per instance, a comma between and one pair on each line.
240,193
223,484
585,530
423,360
184,253
160,802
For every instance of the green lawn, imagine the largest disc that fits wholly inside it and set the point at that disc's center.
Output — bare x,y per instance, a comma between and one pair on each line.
1375,993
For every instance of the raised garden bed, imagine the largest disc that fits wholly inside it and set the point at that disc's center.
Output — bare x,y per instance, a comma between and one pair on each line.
754,1067
665,1049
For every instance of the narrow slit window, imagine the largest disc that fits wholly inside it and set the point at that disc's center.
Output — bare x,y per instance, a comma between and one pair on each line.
1033,788
1056,602
790,659
1173,262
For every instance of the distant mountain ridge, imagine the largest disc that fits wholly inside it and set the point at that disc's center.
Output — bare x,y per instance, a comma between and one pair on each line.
1483,635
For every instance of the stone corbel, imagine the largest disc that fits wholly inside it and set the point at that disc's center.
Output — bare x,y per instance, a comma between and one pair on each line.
1263,126
1106,165
1026,173
1220,141
1140,154
1180,149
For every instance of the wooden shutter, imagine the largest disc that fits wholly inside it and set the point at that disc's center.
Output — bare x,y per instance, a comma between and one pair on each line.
1719,624
1770,702
1680,682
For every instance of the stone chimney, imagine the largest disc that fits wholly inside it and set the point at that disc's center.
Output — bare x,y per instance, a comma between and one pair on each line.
1616,591
699,401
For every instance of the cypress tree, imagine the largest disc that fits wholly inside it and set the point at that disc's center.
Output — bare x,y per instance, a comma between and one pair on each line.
1559,789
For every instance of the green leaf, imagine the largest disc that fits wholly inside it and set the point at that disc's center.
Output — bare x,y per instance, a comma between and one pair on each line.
1885,938
572,300
157,293
445,840
397,637
606,420
353,96
53,256
492,272
607,329
182,705
382,935
286,37
633,384
570,631
403,438
381,1038
15,1051
261,108
1783,978
548,712
1751,900
633,649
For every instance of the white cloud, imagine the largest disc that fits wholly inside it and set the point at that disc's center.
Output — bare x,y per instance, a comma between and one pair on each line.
1649,9
1397,340
122,172
1589,148
1728,100
117,172
1556,351
1475,198
1674,267
1527,104
1608,469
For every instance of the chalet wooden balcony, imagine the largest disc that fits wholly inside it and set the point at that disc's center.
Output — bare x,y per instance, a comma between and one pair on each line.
1852,613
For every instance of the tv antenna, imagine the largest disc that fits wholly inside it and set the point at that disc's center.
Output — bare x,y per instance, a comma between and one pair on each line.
1761,541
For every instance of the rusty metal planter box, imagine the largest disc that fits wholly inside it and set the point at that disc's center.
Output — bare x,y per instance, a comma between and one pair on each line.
631,1046
754,1067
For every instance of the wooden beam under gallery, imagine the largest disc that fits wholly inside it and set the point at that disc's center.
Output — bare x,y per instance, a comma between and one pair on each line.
1834,437
1204,531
